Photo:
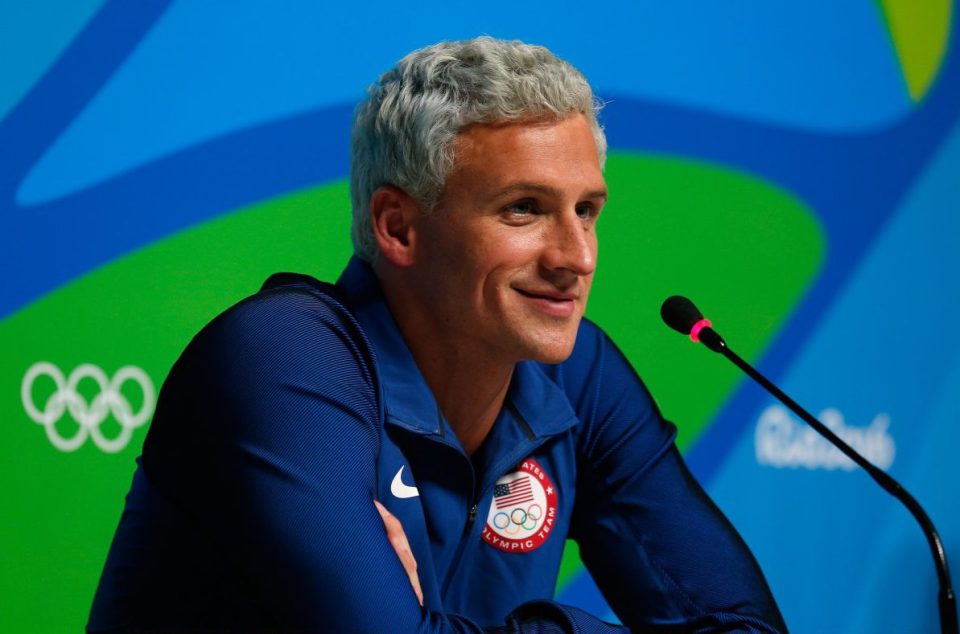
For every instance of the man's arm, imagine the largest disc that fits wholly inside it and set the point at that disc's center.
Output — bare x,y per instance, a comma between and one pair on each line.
660,550
280,466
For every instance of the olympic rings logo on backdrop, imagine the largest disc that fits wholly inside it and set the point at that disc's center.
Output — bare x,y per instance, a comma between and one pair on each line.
88,415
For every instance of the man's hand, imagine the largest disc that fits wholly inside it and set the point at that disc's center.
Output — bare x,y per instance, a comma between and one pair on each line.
398,539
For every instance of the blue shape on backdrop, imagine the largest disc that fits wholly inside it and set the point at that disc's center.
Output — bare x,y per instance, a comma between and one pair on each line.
34,34
208,69
200,182
840,554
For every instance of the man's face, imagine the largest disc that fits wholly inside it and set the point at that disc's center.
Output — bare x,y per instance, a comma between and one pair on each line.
504,265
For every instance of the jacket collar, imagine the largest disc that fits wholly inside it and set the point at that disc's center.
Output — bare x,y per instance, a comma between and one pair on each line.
537,404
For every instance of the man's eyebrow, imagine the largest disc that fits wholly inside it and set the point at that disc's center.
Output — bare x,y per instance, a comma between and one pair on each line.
540,187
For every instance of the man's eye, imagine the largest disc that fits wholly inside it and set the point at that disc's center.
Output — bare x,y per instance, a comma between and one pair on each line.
522,208
586,211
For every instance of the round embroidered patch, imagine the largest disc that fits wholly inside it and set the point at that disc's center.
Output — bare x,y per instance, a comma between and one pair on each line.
523,510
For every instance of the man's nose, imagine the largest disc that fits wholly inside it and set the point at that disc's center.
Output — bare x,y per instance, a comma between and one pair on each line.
572,245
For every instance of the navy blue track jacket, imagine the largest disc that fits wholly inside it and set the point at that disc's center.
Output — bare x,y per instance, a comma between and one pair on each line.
251,508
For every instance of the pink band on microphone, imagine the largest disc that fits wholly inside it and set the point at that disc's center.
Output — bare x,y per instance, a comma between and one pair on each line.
697,327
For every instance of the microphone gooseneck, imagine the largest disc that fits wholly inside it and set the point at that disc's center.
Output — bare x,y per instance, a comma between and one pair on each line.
682,315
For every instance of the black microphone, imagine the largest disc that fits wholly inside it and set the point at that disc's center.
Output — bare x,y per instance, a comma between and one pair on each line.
680,314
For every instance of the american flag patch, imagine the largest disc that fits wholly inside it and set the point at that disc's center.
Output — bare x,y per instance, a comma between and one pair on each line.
514,492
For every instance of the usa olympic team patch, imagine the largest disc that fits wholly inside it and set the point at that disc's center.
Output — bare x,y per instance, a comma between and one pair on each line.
523,511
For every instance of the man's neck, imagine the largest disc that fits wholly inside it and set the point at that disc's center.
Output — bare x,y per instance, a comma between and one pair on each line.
470,396
470,385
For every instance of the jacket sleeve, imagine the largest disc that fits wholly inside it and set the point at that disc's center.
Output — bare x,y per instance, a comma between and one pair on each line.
660,550
266,437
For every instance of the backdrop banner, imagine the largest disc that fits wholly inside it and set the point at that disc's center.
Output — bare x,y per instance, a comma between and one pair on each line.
791,168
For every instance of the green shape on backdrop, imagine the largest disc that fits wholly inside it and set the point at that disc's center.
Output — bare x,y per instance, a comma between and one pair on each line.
920,30
62,508
744,251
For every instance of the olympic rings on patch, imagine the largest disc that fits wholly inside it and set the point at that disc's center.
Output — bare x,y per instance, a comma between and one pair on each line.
109,400
519,520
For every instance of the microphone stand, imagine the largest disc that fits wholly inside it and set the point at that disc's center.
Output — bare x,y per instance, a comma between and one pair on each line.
947,600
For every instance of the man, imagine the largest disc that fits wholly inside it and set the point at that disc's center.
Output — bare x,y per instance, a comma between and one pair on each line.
446,389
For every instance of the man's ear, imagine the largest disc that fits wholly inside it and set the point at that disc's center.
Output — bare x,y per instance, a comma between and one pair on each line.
393,214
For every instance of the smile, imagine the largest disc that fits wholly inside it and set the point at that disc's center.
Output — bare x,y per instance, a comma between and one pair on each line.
553,303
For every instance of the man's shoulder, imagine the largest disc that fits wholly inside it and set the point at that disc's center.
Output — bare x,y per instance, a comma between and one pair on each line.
288,304
299,282
291,293
276,373
293,321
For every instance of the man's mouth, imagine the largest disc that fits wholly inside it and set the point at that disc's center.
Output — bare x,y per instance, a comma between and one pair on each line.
558,296
551,301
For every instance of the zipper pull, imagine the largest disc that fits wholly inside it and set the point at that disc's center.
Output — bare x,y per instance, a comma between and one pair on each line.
473,513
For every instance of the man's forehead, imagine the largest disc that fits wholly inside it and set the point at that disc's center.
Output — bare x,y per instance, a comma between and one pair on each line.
526,154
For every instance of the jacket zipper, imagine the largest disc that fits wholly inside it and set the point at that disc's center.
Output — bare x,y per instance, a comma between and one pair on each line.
464,538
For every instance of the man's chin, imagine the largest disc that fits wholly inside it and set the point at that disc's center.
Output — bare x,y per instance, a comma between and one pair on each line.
545,341
553,353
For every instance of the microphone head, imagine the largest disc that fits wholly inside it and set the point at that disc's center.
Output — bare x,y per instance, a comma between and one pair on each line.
679,313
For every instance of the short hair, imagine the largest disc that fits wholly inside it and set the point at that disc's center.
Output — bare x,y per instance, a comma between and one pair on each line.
403,132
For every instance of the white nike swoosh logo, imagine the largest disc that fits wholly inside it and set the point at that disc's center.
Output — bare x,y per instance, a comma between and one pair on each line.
401,490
